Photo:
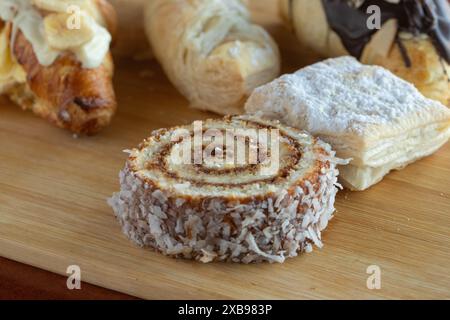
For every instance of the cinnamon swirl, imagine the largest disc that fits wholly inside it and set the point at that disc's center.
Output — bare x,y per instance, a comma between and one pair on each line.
212,210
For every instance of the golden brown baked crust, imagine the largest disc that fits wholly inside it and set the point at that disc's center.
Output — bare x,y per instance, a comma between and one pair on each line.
427,72
66,94
430,74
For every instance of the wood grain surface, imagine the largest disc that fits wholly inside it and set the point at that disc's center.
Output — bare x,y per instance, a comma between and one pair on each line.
53,211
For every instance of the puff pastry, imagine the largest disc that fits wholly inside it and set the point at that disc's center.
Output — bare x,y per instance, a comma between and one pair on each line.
62,74
210,51
413,42
228,212
365,112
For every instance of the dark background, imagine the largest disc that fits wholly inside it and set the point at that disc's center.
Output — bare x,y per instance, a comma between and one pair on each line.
19,281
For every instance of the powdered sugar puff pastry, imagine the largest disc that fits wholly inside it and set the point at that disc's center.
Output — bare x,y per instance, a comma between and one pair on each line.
365,112
211,51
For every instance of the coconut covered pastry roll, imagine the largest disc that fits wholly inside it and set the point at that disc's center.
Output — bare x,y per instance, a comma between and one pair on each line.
412,39
55,61
211,51
268,207
365,112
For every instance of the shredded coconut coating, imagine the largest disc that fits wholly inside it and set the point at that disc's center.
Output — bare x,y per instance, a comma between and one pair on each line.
248,228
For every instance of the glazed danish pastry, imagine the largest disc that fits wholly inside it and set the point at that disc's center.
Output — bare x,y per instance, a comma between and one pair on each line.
365,112
62,74
217,210
413,41
211,51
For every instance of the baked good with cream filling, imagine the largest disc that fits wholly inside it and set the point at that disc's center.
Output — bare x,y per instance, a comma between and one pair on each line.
55,60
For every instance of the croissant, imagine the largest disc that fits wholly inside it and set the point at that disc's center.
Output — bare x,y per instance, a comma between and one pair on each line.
211,51
413,42
62,74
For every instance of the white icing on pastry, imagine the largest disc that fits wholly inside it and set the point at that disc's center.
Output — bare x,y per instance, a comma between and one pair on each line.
26,18
365,112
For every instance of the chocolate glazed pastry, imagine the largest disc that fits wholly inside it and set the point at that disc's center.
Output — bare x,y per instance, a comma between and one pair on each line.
414,41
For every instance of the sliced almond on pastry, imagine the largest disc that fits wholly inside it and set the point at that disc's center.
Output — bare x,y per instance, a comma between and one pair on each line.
62,36
98,10
58,5
381,43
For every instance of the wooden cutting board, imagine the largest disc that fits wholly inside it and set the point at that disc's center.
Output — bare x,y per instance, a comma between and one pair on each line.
53,211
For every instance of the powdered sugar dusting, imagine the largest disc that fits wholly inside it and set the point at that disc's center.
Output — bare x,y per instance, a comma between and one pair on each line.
339,96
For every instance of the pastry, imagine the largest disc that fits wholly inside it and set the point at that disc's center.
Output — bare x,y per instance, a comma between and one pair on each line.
55,61
211,51
217,210
413,38
365,112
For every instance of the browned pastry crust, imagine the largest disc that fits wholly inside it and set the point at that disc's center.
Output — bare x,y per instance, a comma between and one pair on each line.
66,94
427,70
430,73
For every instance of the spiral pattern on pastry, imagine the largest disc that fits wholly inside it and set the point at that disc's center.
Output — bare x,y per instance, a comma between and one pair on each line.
224,211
